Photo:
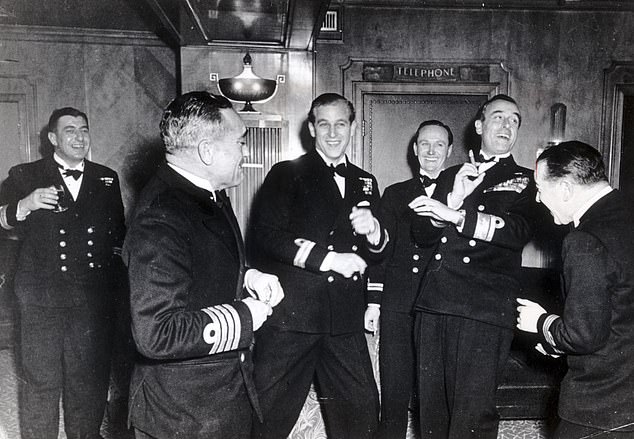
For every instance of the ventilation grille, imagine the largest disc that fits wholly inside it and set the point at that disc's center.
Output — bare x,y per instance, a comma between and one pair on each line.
265,145
331,22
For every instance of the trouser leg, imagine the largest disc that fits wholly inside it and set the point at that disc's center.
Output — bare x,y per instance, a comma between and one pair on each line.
396,365
347,387
283,371
433,403
41,331
87,356
477,355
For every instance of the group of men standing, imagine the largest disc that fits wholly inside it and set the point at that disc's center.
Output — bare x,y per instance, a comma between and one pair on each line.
229,341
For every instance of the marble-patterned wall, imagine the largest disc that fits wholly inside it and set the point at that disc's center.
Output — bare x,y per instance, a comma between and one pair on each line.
121,82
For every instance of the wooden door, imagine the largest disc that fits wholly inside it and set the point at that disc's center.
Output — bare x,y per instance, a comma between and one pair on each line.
389,127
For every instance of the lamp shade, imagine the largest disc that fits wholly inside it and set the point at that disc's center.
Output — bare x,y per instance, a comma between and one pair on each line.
247,87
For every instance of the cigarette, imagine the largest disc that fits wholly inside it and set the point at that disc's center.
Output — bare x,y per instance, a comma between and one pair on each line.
252,165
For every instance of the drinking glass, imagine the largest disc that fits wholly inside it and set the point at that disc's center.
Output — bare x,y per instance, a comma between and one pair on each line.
61,201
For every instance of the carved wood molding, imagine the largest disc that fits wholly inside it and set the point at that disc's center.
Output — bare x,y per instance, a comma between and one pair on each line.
22,90
78,35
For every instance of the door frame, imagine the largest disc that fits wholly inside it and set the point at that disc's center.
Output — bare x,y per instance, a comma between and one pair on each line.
354,87
618,82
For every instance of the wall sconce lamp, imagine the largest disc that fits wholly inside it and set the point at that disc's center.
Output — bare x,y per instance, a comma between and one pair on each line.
247,87
557,123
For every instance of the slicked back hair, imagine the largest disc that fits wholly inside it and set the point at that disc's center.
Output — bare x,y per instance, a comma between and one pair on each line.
434,122
498,97
190,116
61,112
329,99
575,159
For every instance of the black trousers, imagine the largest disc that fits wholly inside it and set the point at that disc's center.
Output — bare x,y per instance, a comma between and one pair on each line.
397,371
460,362
287,362
63,352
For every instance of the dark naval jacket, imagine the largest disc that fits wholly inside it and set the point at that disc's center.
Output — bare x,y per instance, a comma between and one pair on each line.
596,329
185,260
299,217
395,282
66,258
474,271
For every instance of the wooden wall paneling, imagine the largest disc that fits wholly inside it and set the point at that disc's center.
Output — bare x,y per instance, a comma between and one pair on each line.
556,56
18,132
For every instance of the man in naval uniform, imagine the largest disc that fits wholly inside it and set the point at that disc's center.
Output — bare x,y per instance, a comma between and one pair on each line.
481,216
313,226
194,304
393,285
66,270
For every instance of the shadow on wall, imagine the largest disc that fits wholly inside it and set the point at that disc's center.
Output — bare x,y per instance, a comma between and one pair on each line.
139,165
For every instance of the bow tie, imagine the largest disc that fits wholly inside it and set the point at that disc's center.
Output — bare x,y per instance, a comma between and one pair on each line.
75,173
481,159
427,181
222,199
340,170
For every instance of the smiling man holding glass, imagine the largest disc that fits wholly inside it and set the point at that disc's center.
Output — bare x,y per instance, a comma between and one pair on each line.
67,213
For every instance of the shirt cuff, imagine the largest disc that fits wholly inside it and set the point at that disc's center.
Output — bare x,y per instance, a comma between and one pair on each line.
21,212
326,264
4,223
460,223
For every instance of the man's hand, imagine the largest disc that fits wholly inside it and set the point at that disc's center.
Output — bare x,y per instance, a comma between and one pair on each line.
529,313
465,182
425,206
347,264
260,311
362,220
263,286
371,318
40,198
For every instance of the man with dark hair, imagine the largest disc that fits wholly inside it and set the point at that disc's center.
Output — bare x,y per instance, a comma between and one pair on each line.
393,285
313,226
67,211
596,329
479,219
191,324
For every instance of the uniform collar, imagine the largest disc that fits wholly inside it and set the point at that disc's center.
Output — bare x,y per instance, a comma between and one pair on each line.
576,217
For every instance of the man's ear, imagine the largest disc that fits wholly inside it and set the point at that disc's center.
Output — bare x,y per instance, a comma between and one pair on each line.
567,188
449,150
206,152
353,128
415,148
52,137
478,127
311,129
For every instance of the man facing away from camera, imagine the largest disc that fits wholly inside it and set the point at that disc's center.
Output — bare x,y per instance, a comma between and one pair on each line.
191,322
393,285
596,328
